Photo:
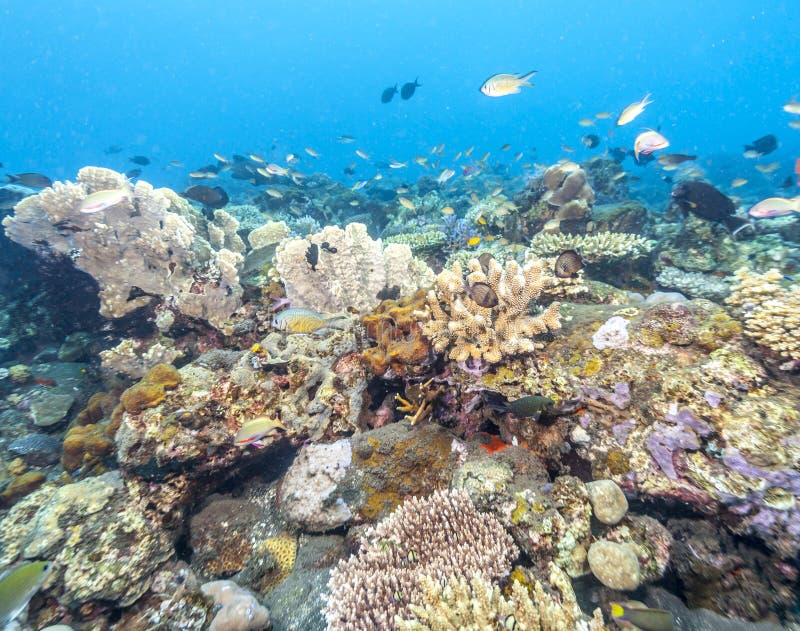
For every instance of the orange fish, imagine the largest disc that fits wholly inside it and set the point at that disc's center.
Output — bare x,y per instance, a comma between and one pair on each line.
494,445
42,381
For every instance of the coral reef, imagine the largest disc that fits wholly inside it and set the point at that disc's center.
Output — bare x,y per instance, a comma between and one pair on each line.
770,311
351,271
134,357
693,284
441,536
237,609
568,190
150,245
593,248
488,333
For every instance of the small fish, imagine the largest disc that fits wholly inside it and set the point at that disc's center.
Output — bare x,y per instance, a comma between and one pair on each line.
633,110
795,124
792,106
643,617
140,160
203,175
360,184
469,151
647,142
113,149
408,89
505,147
485,156
674,158
407,203
394,164
388,94
362,155
531,406
445,175
312,256
567,148
253,431
775,207
345,139
586,122
448,210
17,586
457,157
256,158
568,264
311,152
328,247
762,146
603,115
220,158
473,242
768,168
291,158
518,157
504,84
103,200
590,140
212,198
483,295
298,320
176,164
739,181
484,259
496,191
401,190
31,180
263,172
277,169
133,173
274,193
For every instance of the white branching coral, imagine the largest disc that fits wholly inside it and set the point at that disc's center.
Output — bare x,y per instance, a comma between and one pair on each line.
349,269
440,536
770,311
478,604
488,333
603,246
150,246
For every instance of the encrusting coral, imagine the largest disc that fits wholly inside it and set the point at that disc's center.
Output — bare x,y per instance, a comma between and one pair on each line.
770,311
479,604
603,246
339,269
488,333
440,536
148,245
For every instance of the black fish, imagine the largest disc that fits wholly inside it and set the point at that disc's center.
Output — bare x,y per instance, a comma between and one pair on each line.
644,158
133,173
568,264
9,198
788,182
591,140
388,94
708,203
532,406
764,145
113,149
483,295
312,256
349,171
142,160
617,154
408,89
328,248
212,198
675,158
32,180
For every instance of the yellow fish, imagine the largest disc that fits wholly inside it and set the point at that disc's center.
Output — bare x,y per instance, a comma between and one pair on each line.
448,210
274,193
469,151
586,122
257,158
406,203
795,124
739,181
361,154
276,169
603,115
311,152
504,84
220,158
253,431
473,241
264,172
768,168
633,110
298,320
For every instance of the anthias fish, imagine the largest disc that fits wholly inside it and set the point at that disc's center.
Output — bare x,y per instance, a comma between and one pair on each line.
504,84
775,207
253,431
633,110
647,142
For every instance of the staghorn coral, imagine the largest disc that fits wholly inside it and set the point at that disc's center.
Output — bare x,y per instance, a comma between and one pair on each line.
440,536
603,246
151,245
770,311
351,272
472,331
479,604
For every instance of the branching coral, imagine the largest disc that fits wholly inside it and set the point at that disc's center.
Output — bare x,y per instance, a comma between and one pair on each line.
473,331
478,604
770,311
350,270
440,536
149,245
603,246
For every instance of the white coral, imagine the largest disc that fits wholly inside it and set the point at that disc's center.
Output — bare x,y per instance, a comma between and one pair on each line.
612,334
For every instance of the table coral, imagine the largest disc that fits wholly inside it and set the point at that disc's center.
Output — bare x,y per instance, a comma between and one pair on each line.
593,248
153,244
770,311
472,331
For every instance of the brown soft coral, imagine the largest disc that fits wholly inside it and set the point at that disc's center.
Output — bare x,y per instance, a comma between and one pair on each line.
149,392
395,327
85,444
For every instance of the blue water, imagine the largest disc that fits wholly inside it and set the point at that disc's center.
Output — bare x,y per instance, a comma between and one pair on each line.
182,80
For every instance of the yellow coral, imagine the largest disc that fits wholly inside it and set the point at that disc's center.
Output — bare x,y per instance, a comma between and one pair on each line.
770,311
283,549
476,332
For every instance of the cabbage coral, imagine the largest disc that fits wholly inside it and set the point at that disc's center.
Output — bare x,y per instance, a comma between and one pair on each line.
472,331
603,246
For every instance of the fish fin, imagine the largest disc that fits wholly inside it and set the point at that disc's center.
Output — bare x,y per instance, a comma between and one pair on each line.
258,444
528,76
644,102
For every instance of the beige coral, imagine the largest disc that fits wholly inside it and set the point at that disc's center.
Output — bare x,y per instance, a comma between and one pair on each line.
602,246
478,604
472,331
440,536
770,311
150,245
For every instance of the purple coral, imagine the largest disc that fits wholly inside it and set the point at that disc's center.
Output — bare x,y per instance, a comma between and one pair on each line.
666,439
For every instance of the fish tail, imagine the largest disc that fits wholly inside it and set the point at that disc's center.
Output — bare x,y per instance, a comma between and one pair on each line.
417,83
528,76
645,101
12,178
